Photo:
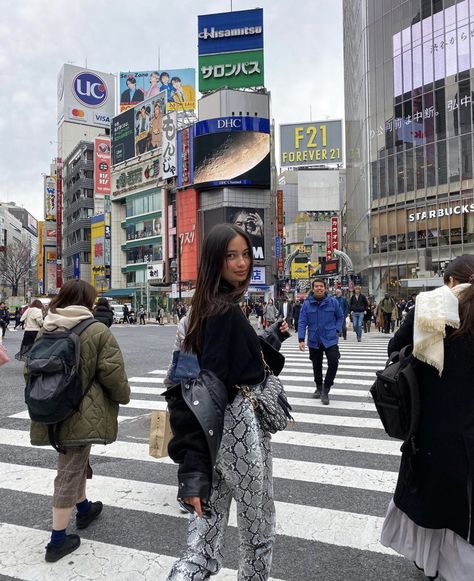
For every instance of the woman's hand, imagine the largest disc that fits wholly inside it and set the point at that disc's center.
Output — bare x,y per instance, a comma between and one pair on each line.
195,502
284,327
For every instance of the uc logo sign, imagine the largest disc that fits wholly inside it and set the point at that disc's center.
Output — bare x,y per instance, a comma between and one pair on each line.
89,89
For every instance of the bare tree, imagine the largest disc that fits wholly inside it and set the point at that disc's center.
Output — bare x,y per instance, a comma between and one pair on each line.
15,263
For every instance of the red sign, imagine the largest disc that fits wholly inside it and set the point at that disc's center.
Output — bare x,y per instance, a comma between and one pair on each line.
187,206
334,233
102,166
280,228
59,223
328,245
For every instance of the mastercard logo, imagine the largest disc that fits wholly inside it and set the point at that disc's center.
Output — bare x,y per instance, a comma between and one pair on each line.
79,113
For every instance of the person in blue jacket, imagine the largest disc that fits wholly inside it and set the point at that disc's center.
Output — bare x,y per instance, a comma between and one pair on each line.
322,316
341,299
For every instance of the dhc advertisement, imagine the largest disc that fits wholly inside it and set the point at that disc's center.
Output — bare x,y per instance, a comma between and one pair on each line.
230,31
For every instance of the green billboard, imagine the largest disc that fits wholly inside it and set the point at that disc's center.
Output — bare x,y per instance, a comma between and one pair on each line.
235,70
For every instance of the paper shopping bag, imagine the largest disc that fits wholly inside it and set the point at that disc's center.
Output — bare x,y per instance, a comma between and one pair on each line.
3,355
160,434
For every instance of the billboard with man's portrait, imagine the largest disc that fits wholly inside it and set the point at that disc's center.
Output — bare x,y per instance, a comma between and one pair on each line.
179,84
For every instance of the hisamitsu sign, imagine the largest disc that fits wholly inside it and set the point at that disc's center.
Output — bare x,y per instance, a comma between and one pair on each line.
230,31
315,143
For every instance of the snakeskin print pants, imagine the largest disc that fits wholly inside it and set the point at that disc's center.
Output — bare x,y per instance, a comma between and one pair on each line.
243,472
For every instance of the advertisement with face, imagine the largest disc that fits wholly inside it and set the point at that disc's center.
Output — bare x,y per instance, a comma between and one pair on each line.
251,220
139,129
179,85
85,96
232,151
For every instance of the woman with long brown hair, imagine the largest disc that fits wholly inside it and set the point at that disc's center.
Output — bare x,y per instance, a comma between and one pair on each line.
102,368
33,319
431,517
227,345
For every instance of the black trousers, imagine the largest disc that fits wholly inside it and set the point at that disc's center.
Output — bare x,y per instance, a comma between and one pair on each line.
332,356
386,322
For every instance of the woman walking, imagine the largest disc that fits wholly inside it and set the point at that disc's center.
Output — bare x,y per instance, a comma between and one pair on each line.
431,517
270,313
33,319
226,344
101,367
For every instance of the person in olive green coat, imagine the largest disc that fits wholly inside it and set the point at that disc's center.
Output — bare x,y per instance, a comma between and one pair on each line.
95,422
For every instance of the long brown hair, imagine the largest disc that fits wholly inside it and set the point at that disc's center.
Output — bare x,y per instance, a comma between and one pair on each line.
214,296
74,292
37,304
462,270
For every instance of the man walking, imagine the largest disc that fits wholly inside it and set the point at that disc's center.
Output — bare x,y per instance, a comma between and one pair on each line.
322,317
4,318
387,304
344,306
296,314
358,306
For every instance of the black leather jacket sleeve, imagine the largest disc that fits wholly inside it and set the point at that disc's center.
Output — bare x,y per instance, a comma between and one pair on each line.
188,448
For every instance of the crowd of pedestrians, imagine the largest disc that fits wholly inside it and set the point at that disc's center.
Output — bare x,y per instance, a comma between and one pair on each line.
430,518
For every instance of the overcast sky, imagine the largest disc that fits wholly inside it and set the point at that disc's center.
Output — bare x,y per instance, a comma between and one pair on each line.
303,64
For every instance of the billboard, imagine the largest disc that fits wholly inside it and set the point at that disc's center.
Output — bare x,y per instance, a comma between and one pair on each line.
234,70
98,265
185,156
85,96
41,225
179,84
187,206
169,158
232,151
138,130
230,31
314,143
102,159
50,199
249,219
50,271
431,49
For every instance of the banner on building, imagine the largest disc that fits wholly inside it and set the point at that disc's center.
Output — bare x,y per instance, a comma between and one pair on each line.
102,161
235,70
187,206
239,30
41,233
169,161
328,245
258,275
334,233
179,85
50,199
280,221
314,143
50,268
155,271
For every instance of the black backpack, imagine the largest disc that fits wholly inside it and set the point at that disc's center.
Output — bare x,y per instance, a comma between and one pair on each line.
396,394
53,389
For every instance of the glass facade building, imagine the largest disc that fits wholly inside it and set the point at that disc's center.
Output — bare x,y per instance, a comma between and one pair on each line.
409,89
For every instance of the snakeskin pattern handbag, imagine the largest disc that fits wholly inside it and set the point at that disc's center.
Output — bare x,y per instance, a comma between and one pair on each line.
269,401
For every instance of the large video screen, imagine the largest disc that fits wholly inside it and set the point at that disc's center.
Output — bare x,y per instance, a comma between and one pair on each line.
434,48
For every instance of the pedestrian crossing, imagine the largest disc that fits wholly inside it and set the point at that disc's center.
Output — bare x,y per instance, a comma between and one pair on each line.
334,474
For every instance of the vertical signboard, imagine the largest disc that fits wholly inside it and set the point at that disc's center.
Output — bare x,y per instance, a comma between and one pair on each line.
50,198
59,223
335,233
40,257
280,230
169,155
185,156
102,166
328,245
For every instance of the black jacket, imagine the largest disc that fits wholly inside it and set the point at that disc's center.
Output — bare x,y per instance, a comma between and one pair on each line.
358,304
435,494
197,428
104,315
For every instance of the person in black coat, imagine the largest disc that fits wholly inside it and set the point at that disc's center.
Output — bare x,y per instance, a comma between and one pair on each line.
226,345
431,518
103,312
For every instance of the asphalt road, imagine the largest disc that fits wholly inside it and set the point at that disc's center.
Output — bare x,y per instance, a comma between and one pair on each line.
334,475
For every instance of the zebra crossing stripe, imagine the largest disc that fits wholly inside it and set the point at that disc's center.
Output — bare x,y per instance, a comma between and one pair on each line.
347,529
22,557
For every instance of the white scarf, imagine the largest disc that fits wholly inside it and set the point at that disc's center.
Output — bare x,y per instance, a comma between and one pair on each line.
66,318
434,310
